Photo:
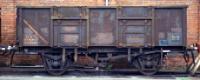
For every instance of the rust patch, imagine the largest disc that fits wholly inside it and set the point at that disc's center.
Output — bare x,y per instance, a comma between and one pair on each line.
169,22
69,29
103,38
135,39
102,26
69,38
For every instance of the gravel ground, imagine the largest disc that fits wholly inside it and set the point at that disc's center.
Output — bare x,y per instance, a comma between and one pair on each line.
92,76
38,77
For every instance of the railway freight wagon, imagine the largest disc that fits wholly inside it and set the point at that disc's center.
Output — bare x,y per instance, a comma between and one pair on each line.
92,38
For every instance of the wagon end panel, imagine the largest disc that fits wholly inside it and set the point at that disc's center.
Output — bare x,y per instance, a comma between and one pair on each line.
102,25
170,27
33,26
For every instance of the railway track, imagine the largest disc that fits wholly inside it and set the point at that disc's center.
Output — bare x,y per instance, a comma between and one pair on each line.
91,72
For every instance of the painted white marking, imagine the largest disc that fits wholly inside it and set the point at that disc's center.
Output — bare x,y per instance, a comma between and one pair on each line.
166,51
107,1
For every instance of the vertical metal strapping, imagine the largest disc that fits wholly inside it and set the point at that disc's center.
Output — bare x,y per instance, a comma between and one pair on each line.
116,29
51,30
87,28
184,27
19,27
153,27
80,28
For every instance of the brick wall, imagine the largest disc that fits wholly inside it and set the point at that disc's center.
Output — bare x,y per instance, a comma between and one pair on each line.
8,16
9,12
199,21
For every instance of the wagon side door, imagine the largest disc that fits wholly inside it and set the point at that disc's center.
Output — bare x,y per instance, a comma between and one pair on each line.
69,26
135,26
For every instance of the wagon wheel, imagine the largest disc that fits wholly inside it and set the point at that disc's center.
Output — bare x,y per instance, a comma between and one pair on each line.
148,64
54,64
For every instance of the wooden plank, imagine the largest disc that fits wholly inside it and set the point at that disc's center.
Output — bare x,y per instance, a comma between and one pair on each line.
192,66
195,66
35,31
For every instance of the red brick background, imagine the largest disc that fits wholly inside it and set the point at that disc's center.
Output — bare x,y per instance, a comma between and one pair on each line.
8,13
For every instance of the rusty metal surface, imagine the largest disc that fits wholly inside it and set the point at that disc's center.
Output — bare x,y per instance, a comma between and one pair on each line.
68,12
69,32
35,27
69,26
69,38
80,26
135,39
135,32
102,24
136,22
135,26
169,27
135,12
